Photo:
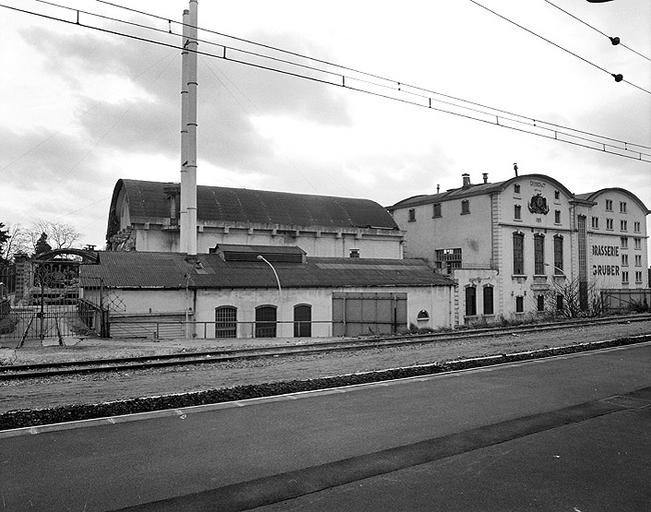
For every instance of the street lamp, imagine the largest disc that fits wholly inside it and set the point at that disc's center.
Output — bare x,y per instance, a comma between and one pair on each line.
262,258
554,266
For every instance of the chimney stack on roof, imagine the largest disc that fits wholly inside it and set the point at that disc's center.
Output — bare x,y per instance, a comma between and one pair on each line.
438,188
485,176
466,179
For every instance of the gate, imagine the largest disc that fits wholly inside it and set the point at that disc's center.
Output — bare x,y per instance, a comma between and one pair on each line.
40,300
362,314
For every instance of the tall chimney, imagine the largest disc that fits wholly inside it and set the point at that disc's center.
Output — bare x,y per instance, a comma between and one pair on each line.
188,210
466,179
485,176
438,188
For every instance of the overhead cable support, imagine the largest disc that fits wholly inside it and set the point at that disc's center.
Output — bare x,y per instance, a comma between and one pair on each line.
385,88
613,40
617,76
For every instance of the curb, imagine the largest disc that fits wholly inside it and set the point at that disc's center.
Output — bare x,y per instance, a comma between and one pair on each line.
77,412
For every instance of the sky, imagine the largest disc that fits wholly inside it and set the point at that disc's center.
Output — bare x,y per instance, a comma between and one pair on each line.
80,109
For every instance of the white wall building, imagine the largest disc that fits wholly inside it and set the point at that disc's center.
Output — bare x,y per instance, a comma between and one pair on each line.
144,216
515,246
236,294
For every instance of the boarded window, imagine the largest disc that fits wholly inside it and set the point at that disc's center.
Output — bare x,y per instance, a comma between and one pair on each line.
302,321
539,254
488,300
355,314
518,253
265,322
558,255
226,322
471,301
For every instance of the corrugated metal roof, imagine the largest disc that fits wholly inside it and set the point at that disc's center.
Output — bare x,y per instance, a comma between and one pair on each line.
148,199
169,270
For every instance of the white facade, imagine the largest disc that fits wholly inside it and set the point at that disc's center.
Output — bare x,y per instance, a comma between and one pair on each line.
528,240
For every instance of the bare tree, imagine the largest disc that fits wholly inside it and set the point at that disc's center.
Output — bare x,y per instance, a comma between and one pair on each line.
564,299
17,241
59,235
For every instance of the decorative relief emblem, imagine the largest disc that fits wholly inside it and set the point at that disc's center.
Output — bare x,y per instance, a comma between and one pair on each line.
538,204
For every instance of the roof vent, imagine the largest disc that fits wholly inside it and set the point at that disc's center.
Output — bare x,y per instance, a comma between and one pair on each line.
466,179
485,176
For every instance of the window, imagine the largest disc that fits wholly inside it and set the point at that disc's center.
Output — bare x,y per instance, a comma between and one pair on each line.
638,277
518,253
516,189
638,260
622,225
437,210
622,207
557,194
539,254
609,205
624,260
423,315
471,301
226,322
636,227
540,303
517,212
625,277
624,242
609,224
557,216
519,304
638,243
302,321
354,253
412,215
558,255
465,207
559,303
488,300
595,222
265,322
447,259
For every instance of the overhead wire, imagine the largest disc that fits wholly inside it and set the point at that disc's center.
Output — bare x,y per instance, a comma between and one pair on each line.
617,76
614,40
604,144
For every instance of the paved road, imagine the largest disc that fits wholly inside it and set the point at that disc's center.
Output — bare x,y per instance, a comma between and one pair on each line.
285,443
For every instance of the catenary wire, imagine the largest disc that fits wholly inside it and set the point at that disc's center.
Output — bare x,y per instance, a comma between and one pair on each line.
597,30
617,77
364,73
601,146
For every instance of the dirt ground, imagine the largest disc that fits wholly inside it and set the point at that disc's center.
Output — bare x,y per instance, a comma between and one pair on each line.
50,392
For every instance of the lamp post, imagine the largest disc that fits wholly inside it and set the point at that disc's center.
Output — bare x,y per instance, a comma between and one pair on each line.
262,258
556,268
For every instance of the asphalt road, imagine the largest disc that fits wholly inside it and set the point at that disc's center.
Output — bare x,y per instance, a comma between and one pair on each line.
257,452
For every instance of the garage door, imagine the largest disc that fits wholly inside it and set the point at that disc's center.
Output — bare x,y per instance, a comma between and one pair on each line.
363,314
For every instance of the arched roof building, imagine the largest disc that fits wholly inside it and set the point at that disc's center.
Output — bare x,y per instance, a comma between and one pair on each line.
144,216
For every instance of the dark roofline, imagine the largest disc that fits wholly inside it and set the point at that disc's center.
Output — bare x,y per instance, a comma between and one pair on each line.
476,189
589,196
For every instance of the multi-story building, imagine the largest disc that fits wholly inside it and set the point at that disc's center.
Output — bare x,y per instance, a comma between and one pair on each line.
528,244
144,216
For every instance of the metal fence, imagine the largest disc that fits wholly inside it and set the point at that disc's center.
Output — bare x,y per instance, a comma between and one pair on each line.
623,299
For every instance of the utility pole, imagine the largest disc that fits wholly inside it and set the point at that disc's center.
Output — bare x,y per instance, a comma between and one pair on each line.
188,209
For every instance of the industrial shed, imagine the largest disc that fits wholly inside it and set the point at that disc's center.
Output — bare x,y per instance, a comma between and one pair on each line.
234,292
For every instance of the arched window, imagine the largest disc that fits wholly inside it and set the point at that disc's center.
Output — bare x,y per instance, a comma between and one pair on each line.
265,322
539,254
488,300
226,322
423,315
302,320
471,301
518,253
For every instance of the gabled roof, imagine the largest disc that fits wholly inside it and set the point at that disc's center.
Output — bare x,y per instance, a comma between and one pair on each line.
474,190
148,200
161,270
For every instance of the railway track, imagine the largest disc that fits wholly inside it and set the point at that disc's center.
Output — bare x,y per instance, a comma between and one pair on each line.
44,370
